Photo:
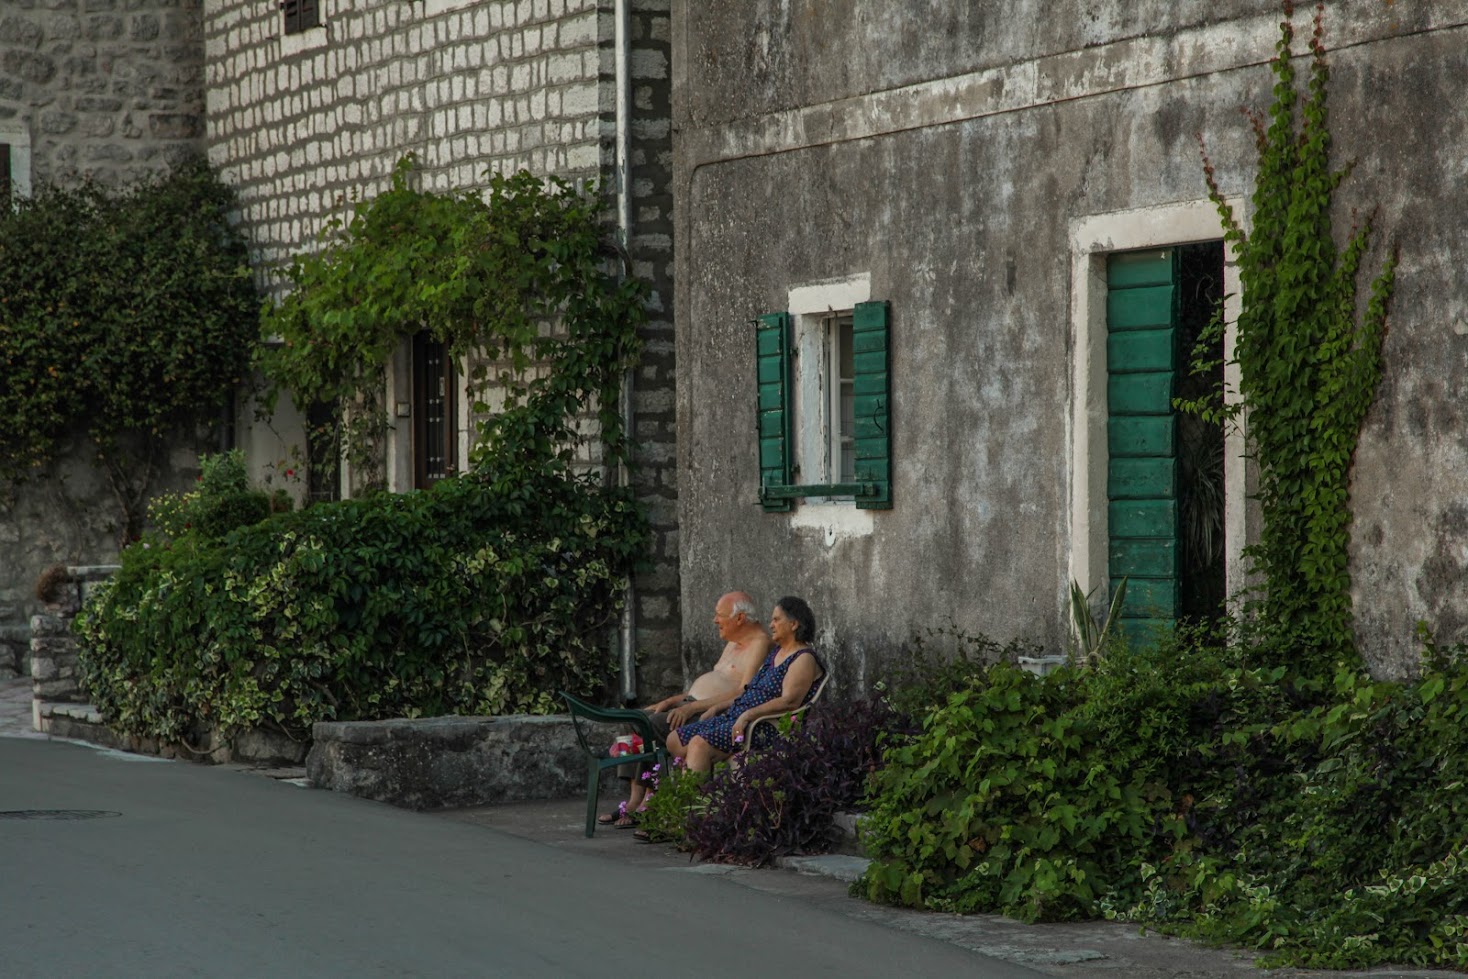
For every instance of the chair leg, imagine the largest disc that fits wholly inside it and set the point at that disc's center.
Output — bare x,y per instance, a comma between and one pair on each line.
593,784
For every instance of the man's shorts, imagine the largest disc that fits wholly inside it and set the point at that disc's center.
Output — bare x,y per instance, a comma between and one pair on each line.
662,729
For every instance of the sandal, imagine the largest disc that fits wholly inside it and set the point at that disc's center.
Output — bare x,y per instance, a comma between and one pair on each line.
625,821
612,818
642,836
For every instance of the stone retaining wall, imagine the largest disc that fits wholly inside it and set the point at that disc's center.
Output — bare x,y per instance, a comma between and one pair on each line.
449,762
55,676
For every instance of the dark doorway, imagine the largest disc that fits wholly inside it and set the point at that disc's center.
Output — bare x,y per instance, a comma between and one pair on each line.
1202,591
433,412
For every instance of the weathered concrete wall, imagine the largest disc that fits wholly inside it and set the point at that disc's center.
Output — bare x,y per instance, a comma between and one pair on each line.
302,124
948,154
102,88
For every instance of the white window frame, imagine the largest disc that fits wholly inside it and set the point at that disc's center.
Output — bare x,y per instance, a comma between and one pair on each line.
1092,239
813,308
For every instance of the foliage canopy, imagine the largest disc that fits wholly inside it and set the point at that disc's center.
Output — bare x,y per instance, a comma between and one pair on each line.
488,593
128,316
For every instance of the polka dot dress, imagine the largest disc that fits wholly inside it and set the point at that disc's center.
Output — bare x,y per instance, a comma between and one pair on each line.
765,687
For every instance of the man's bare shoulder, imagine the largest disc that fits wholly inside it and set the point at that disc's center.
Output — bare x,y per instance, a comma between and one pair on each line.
756,645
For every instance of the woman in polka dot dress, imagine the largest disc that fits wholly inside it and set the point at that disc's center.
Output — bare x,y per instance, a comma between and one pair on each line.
783,683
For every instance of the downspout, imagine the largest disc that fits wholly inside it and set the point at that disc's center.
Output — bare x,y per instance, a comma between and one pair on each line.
624,236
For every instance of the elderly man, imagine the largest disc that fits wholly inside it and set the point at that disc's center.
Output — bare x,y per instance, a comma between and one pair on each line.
745,646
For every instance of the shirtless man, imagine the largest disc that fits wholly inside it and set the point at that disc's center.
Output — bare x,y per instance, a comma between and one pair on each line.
745,646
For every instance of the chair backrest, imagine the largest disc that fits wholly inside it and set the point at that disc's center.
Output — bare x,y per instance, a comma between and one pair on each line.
624,716
818,689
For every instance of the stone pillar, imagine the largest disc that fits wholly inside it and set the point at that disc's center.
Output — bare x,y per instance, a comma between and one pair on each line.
55,676
15,641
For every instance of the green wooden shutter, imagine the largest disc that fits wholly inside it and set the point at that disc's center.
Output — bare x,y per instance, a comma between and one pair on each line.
773,339
1142,508
872,395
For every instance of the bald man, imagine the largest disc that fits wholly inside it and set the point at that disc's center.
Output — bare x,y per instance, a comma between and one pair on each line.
745,646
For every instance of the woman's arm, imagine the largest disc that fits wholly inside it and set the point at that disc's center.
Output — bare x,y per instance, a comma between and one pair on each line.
752,661
798,680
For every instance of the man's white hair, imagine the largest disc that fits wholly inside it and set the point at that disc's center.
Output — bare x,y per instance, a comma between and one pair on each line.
742,605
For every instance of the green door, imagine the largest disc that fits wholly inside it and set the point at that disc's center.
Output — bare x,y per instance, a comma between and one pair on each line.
1142,476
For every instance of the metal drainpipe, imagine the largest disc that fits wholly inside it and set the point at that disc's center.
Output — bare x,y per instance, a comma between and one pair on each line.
624,234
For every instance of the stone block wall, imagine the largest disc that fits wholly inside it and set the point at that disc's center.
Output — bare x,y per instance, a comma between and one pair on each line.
55,676
304,124
110,90
101,88
449,762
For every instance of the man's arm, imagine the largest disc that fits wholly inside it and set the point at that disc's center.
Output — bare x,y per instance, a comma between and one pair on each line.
753,658
667,703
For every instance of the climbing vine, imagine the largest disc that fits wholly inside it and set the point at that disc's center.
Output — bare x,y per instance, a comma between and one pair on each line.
487,594
1309,360
127,316
516,283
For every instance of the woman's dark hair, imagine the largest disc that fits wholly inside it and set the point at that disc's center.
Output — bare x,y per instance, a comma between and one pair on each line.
805,619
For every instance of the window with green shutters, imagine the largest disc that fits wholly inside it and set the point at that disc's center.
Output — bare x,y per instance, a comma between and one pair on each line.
855,423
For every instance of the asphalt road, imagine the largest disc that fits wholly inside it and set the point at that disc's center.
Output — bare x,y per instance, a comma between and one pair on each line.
199,871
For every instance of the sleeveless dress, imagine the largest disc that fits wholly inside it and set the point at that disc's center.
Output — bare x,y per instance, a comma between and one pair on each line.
767,684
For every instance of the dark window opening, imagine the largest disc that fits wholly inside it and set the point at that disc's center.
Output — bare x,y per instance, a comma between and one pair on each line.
433,412
1202,591
323,452
301,15
4,174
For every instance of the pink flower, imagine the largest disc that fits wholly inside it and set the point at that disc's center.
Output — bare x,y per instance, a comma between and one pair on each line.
739,738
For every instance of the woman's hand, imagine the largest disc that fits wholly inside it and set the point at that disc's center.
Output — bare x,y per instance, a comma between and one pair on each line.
739,726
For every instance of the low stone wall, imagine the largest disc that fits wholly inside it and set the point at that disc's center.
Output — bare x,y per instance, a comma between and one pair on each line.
55,676
449,762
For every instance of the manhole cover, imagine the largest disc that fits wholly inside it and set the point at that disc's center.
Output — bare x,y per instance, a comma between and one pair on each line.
57,813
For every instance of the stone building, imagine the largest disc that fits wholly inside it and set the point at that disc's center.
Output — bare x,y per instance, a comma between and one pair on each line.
310,106
112,92
906,233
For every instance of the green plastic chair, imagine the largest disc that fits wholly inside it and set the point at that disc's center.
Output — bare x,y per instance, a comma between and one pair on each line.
597,759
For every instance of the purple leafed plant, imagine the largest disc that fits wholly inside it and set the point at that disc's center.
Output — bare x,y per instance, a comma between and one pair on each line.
784,798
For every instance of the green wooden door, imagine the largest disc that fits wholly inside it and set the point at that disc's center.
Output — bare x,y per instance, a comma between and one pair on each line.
1142,476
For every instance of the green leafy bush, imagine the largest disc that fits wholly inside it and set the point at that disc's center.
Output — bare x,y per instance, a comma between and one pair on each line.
1186,787
477,597
128,316
485,595
220,502
1006,802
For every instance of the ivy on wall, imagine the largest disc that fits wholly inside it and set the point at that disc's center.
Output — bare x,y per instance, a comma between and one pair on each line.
509,281
487,593
128,316
1309,362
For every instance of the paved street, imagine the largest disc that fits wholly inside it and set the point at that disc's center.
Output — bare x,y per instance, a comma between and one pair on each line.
179,869
189,870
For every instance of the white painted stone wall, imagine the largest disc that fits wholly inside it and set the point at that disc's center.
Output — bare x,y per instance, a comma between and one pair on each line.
300,124
303,125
